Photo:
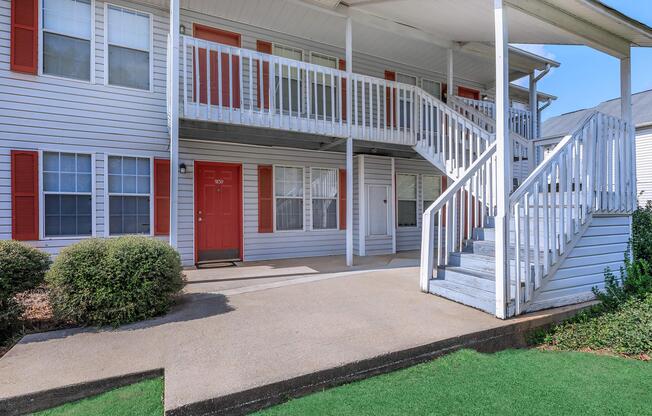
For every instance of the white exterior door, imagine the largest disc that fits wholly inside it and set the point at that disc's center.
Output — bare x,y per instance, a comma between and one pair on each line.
377,210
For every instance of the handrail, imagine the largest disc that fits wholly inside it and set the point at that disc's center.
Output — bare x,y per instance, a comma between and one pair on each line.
548,162
459,182
585,174
463,206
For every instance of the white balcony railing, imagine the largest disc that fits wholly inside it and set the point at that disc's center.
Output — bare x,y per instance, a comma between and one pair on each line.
240,86
520,121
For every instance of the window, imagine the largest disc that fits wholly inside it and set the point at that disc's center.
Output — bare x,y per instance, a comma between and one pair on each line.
288,191
405,111
67,38
129,195
323,186
406,194
431,87
128,41
67,194
431,189
290,78
323,86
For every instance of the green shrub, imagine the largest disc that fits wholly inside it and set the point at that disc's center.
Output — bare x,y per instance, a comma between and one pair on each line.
642,233
625,330
21,268
114,281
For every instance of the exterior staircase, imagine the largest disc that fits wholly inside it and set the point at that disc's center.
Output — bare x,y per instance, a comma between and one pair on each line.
469,277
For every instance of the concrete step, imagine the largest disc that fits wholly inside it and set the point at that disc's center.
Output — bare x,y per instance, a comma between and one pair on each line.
486,264
470,278
485,301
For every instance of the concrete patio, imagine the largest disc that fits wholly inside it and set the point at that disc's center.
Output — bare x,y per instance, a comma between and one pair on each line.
243,328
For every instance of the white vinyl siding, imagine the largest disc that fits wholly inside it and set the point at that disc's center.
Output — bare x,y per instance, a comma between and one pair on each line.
128,42
602,245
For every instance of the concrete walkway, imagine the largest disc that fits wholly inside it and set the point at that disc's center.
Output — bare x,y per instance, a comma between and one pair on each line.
224,339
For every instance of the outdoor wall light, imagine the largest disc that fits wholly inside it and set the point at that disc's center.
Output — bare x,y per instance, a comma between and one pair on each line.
182,168
182,29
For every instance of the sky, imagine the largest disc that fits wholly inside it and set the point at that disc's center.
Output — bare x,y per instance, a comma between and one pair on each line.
588,77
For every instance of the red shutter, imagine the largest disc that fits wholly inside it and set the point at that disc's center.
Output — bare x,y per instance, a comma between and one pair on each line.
342,194
24,195
265,199
264,47
342,67
24,35
161,197
391,119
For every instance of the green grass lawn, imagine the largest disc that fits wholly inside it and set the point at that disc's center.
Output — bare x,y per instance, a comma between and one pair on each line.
139,399
513,382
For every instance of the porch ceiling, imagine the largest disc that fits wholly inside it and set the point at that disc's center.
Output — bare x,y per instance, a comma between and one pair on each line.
574,22
219,132
372,35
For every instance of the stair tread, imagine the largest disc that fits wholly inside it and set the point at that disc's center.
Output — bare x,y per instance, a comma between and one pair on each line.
471,272
485,301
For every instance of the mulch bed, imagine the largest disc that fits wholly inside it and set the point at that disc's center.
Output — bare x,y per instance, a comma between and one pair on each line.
37,316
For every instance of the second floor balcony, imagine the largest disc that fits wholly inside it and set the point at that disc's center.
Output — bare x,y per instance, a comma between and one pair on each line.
232,85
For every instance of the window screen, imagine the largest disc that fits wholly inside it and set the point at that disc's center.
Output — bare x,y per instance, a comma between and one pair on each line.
288,191
129,195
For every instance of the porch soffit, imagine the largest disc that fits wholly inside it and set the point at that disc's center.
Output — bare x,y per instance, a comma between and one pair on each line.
375,37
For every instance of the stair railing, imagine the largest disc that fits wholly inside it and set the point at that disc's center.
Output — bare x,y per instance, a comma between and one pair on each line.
588,172
522,148
463,206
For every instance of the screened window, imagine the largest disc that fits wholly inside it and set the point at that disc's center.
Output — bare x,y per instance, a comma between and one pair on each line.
288,191
67,194
290,78
322,97
405,101
129,195
128,40
67,38
431,189
323,186
406,194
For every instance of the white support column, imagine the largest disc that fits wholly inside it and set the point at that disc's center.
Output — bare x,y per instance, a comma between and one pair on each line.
626,115
349,146
503,157
450,88
534,106
174,122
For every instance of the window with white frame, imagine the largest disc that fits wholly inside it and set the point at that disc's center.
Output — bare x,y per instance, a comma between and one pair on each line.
288,195
323,194
67,194
322,98
129,195
405,100
431,87
66,30
290,78
129,50
406,195
430,189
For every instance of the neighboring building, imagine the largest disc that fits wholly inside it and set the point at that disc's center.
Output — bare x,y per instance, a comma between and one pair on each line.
249,130
555,128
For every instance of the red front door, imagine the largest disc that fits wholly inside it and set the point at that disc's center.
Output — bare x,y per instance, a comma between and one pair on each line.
218,211
229,79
